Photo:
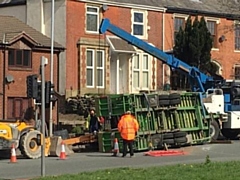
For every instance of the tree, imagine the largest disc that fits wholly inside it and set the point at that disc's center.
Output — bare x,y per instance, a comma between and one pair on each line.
193,45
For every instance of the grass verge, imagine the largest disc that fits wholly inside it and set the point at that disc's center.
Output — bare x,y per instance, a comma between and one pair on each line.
208,170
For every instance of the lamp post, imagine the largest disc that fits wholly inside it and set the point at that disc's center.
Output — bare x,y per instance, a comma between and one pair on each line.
51,66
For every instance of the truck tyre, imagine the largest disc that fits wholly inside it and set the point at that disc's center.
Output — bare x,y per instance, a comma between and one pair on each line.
28,145
214,130
230,133
163,97
163,102
169,141
168,136
174,102
180,134
180,140
174,96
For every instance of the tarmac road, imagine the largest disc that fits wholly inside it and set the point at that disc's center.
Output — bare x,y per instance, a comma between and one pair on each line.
80,162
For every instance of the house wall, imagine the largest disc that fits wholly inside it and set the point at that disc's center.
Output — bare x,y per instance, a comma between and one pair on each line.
17,11
37,14
76,30
225,54
18,88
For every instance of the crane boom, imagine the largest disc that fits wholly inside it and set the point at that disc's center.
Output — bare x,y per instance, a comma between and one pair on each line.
199,81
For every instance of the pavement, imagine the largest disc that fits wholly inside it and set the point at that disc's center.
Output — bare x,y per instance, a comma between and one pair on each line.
82,162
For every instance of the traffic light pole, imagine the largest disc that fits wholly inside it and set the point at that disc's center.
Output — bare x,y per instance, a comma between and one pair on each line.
43,116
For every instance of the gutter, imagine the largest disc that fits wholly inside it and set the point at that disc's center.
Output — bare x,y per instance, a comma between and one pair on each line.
197,12
125,5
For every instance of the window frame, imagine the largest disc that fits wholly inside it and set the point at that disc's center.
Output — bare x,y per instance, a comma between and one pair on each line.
15,65
175,29
90,67
100,68
215,40
144,23
141,71
236,71
136,70
236,27
92,13
145,70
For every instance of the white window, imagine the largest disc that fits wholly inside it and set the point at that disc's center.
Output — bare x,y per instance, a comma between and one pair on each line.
139,27
145,71
141,72
92,19
136,72
95,68
100,69
90,68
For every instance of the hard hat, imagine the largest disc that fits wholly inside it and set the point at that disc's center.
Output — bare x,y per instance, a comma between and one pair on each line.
128,112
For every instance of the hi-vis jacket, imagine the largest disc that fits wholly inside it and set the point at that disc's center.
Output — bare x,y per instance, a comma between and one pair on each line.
128,126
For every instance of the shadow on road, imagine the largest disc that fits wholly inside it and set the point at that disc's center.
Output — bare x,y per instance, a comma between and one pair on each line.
100,155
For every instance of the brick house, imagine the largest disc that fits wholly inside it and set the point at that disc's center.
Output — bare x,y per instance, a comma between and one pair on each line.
96,63
21,49
127,69
224,28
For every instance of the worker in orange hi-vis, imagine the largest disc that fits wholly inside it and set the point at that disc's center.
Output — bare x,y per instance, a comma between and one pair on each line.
128,127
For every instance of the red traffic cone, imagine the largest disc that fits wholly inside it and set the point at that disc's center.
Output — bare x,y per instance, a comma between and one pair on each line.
116,147
13,158
63,153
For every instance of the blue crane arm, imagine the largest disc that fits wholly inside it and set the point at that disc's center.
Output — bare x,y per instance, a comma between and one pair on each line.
200,81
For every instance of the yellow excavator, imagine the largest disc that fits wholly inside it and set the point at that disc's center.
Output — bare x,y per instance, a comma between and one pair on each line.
27,138
24,136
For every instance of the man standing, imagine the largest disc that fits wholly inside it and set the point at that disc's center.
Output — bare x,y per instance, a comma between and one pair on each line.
94,122
128,127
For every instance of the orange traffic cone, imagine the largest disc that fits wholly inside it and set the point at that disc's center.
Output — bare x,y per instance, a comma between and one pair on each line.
13,158
116,147
63,153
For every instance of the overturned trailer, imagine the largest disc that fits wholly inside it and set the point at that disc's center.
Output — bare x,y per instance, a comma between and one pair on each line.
165,119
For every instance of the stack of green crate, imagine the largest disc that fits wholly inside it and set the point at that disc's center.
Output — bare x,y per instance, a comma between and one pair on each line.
112,105
188,116
191,119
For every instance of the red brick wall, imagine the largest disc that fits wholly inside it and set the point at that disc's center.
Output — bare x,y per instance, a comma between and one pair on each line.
18,87
119,16
225,53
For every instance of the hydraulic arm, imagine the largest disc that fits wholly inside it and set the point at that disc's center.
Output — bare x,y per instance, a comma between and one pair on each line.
199,81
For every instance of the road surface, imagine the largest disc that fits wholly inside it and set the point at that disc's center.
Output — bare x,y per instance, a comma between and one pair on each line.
79,162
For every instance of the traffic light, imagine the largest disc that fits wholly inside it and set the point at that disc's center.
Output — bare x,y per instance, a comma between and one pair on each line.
32,86
39,92
49,92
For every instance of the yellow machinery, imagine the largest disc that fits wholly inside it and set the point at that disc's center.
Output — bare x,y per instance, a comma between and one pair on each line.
23,136
28,139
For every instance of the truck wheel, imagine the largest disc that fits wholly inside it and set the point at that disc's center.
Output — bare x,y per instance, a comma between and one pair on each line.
214,130
230,133
28,145
180,140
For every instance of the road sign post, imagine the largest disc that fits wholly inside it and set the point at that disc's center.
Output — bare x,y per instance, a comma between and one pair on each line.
43,63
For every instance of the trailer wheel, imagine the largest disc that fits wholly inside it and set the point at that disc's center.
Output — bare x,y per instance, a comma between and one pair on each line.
28,145
180,134
168,136
180,140
175,102
163,97
163,102
169,141
230,133
214,130
174,96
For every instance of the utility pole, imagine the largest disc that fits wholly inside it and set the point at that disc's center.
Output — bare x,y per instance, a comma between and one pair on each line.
51,66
